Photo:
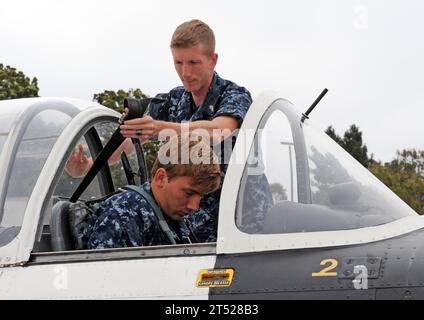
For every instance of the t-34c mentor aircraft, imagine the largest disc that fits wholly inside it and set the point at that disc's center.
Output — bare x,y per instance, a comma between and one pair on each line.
333,231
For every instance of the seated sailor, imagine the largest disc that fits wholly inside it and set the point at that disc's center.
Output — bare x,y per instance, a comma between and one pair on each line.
154,214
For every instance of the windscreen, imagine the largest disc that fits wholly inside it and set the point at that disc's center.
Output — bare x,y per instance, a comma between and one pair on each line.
340,182
308,183
2,140
29,156
6,121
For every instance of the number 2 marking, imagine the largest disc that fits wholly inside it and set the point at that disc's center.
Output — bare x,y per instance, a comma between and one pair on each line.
325,272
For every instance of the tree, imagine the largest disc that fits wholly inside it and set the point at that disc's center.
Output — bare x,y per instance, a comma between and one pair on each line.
410,160
333,135
404,176
279,193
352,143
115,100
15,84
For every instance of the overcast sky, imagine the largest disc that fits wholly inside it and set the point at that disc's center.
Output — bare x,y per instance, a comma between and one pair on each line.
369,54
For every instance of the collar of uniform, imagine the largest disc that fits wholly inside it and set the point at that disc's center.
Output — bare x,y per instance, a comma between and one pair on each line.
214,88
148,188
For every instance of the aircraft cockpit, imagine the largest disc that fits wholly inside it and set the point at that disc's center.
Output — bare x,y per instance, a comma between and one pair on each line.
313,184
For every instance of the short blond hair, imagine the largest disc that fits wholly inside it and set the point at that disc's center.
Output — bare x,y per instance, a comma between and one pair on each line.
193,32
206,174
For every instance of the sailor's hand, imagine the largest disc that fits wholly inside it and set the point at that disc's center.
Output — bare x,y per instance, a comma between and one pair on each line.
143,128
78,163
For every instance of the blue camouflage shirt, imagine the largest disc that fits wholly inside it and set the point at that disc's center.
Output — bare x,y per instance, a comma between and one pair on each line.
127,220
224,98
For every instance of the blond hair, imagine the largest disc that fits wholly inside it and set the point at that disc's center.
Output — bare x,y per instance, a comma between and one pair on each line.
192,158
193,32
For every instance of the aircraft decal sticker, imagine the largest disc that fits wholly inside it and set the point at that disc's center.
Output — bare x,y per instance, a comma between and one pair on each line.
215,278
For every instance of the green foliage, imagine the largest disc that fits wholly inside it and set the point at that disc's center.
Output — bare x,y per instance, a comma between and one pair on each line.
333,135
15,84
115,100
352,143
405,177
279,193
410,160
151,149
326,171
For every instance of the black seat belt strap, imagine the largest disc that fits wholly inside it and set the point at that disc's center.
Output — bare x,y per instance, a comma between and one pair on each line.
113,144
136,109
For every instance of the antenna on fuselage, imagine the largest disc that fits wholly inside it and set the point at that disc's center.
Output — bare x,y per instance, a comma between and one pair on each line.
317,100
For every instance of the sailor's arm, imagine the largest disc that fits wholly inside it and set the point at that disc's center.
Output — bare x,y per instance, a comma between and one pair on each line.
78,163
218,128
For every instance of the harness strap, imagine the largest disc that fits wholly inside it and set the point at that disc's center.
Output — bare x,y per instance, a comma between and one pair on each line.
136,108
158,212
113,144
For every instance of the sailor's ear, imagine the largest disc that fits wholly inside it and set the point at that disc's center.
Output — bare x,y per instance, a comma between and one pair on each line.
214,60
160,177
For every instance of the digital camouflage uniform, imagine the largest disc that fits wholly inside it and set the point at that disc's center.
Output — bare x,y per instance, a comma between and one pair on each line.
224,98
257,200
127,220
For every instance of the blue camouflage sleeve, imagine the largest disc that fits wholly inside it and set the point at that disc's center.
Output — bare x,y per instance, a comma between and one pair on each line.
118,224
107,232
160,111
235,103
